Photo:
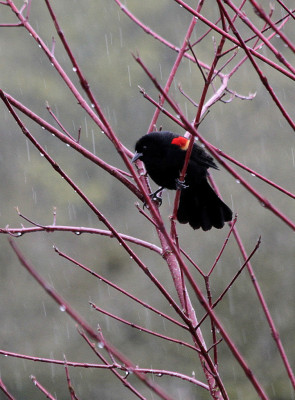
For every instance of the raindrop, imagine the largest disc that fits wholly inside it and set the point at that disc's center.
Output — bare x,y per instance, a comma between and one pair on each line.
121,37
28,150
238,181
129,77
74,69
43,127
39,46
231,302
193,373
160,374
53,134
34,195
77,233
253,174
67,145
93,142
161,74
19,234
92,105
44,309
62,308
42,154
100,345
262,204
107,44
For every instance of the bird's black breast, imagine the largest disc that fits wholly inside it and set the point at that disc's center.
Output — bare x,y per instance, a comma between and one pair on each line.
164,160
164,168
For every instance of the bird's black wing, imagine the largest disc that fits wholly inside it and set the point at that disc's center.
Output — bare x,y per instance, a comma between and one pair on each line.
202,158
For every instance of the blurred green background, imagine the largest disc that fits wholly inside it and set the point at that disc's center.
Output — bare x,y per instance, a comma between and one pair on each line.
254,132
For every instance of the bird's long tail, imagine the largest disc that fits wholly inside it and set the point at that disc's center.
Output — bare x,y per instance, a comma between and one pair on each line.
202,208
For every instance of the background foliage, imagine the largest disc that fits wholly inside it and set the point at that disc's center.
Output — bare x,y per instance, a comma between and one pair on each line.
254,132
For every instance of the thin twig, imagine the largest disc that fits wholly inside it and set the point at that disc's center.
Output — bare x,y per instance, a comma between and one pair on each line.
42,388
141,328
70,386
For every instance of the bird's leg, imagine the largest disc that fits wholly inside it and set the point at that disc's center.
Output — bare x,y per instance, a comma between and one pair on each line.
180,185
154,196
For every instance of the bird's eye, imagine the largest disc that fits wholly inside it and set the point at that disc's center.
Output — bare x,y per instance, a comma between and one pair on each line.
144,147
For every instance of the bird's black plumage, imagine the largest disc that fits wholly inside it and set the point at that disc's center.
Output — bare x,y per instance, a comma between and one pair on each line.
163,154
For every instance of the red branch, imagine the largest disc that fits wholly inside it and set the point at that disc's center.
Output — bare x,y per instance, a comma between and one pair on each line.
78,230
141,328
263,201
171,251
5,391
65,306
156,372
42,388
216,28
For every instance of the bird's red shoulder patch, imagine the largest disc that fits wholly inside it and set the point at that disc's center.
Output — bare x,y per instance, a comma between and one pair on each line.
181,141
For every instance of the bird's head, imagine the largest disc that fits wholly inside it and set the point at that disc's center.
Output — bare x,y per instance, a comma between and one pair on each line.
157,144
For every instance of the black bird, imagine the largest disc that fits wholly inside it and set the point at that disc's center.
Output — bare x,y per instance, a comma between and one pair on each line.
163,154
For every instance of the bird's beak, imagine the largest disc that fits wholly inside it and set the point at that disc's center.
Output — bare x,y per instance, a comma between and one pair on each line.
136,156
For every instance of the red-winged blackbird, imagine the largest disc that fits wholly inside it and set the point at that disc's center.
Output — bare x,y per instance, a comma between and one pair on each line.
163,154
